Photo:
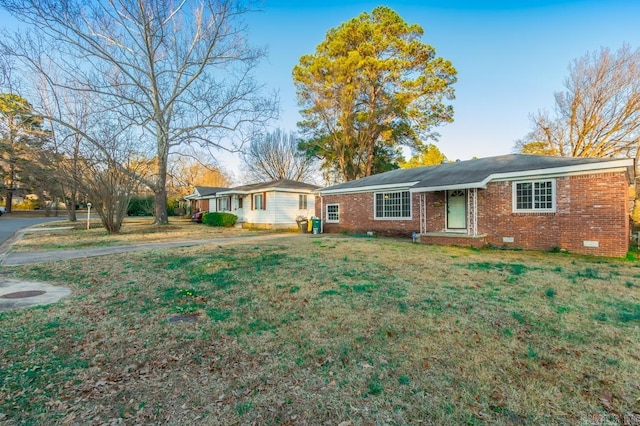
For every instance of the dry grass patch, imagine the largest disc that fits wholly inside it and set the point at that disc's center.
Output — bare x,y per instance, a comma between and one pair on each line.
134,231
328,329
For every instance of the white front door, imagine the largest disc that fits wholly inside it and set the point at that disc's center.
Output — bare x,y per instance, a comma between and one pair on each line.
457,209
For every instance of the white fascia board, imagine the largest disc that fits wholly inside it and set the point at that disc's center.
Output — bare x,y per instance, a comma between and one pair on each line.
373,188
479,185
621,165
227,193
232,192
297,191
562,171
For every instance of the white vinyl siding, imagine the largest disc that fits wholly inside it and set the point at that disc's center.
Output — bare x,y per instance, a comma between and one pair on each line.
281,208
392,205
534,196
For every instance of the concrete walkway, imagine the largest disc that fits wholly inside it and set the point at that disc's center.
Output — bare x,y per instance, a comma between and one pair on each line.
16,294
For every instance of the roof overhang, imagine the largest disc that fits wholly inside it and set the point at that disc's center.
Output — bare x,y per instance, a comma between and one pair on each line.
622,165
255,191
371,188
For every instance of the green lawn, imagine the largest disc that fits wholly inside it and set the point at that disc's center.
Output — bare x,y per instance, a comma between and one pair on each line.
327,329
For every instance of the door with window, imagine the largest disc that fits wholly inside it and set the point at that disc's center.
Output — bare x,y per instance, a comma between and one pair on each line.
457,209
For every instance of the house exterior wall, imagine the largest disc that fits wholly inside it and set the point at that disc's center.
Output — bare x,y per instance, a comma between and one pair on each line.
356,215
591,208
281,210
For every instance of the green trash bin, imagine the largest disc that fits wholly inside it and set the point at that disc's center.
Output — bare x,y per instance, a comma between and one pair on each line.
315,225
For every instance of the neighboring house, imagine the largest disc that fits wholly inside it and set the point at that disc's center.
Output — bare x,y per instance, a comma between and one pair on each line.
273,205
200,199
522,201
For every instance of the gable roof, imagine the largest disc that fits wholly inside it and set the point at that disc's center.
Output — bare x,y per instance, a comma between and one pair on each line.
274,185
477,173
204,191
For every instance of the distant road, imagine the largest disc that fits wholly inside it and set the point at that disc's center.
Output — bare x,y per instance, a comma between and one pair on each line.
9,223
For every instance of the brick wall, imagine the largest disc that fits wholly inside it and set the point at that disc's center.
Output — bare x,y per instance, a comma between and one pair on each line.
592,208
356,216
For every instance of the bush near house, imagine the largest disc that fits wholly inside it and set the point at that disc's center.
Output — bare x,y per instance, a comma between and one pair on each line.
143,206
219,219
140,206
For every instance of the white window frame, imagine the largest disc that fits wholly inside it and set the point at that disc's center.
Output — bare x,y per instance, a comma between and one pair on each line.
375,206
302,202
533,209
255,201
337,213
223,204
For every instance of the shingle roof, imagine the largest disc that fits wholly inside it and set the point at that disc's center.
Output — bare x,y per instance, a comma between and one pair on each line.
281,184
466,172
208,190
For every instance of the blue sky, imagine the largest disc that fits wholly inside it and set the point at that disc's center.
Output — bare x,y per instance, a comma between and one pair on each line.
511,56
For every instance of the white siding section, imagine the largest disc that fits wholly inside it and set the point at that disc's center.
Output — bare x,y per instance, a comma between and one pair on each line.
287,204
282,209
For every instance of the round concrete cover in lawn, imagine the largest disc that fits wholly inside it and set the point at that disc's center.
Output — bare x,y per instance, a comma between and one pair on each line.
16,294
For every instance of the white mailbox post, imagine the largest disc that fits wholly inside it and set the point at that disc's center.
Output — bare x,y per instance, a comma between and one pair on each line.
88,215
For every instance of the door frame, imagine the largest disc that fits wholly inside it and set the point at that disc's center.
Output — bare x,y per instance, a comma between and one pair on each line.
462,207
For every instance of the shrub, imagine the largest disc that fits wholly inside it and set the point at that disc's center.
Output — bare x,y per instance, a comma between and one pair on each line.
28,205
219,219
173,207
143,206
140,206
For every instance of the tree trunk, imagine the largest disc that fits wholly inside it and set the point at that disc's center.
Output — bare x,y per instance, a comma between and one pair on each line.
160,189
9,200
160,206
71,208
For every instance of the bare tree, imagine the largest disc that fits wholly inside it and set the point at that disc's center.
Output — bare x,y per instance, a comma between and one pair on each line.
195,168
598,115
275,155
109,187
176,73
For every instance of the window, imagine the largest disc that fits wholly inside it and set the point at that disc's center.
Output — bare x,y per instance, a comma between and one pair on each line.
240,202
258,202
302,202
534,196
392,205
333,213
223,204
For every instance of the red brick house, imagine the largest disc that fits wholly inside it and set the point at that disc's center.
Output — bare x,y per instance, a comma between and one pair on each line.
522,201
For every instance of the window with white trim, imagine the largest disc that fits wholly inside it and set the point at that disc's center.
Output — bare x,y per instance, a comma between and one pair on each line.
224,204
333,213
392,205
534,196
302,202
258,202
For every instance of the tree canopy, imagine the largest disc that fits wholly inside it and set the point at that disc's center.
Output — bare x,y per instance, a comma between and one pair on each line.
21,134
429,156
371,86
598,113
